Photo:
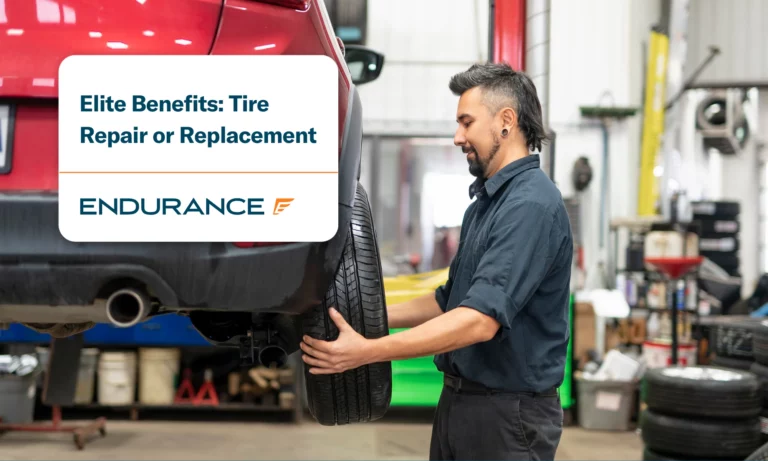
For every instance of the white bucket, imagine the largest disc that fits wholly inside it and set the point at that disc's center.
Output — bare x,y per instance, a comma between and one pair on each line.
86,377
157,377
658,354
117,378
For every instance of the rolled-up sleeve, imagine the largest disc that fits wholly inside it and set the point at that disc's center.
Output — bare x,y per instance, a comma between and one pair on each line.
517,257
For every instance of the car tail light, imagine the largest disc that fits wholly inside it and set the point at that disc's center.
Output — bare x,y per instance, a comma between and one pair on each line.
295,4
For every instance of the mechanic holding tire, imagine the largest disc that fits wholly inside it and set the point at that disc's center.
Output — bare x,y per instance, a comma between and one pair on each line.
499,326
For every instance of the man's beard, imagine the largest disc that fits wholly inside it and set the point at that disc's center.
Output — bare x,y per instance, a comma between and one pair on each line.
479,167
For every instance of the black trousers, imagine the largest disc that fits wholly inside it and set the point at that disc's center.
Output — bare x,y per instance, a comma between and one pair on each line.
496,426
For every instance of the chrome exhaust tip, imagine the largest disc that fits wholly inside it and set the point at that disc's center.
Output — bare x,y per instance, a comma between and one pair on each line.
127,307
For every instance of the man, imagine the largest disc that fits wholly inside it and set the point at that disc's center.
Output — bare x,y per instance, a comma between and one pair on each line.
499,326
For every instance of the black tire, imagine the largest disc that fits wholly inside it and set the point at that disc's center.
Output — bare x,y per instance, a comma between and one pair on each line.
732,337
701,392
720,245
761,371
703,438
362,394
717,227
732,363
721,210
728,261
764,426
760,343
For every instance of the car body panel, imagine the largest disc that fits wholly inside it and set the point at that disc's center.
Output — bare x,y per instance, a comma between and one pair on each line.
38,267
38,34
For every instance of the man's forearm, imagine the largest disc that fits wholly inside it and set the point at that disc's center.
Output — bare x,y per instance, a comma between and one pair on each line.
414,312
458,328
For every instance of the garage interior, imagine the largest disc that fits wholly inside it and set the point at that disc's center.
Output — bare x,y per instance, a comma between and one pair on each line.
658,112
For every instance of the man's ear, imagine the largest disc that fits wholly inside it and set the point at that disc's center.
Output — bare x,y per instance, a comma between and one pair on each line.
508,118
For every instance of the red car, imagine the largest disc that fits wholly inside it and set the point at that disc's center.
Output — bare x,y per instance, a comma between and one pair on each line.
259,297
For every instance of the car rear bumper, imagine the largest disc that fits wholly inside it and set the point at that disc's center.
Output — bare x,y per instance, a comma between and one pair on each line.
39,267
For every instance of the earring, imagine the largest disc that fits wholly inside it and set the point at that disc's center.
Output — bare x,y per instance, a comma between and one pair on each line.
504,132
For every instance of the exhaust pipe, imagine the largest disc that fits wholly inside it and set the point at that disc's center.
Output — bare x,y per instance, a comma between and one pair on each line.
273,355
127,307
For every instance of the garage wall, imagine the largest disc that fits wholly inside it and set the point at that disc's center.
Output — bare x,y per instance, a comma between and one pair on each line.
740,29
424,46
597,57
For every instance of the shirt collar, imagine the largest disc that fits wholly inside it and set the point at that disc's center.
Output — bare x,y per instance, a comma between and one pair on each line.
494,183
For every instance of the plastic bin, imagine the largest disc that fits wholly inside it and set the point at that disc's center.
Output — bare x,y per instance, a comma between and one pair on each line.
159,368
17,398
86,377
605,405
117,378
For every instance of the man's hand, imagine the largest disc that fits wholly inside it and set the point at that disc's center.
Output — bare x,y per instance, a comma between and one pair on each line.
350,350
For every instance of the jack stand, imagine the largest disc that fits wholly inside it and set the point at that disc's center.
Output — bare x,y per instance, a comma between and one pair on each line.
209,389
185,387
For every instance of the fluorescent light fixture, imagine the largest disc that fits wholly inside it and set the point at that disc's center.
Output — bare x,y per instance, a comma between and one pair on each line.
117,45
184,42
264,47
148,33
15,32
95,34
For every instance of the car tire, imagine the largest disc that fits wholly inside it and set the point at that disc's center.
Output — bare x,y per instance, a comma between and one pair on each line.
760,343
733,337
701,437
761,371
732,363
697,391
357,292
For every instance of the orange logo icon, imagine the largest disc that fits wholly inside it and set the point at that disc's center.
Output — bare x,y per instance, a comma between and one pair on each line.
281,204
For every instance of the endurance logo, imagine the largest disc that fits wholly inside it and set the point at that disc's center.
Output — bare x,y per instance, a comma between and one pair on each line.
174,206
281,204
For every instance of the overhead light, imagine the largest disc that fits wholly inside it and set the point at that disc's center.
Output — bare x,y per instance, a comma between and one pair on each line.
181,41
95,34
148,33
264,47
141,1
15,32
49,82
117,45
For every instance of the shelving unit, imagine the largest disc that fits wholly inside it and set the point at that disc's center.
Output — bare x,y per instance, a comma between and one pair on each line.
158,332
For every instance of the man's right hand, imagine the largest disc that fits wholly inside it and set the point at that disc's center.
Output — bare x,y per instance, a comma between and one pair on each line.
413,313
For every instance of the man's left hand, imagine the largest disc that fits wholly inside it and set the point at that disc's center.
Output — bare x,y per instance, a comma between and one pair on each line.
350,350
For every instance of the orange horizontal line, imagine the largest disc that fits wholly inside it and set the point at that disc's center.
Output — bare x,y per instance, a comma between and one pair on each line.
198,172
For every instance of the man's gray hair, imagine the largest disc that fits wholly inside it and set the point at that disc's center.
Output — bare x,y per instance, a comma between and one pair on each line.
504,87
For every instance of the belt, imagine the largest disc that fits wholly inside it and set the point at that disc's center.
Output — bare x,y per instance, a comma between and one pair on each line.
471,387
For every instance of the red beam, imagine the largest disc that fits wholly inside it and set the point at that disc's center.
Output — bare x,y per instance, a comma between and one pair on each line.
509,33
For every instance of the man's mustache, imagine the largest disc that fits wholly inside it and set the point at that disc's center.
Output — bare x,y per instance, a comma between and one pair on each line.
468,150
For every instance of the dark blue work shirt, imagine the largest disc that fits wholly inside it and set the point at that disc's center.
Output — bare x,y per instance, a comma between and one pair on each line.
513,264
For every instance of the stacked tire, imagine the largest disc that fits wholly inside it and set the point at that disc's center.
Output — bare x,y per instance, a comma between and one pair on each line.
719,238
700,413
760,368
730,339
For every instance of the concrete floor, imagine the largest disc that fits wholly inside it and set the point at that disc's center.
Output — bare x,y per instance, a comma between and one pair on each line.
187,440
